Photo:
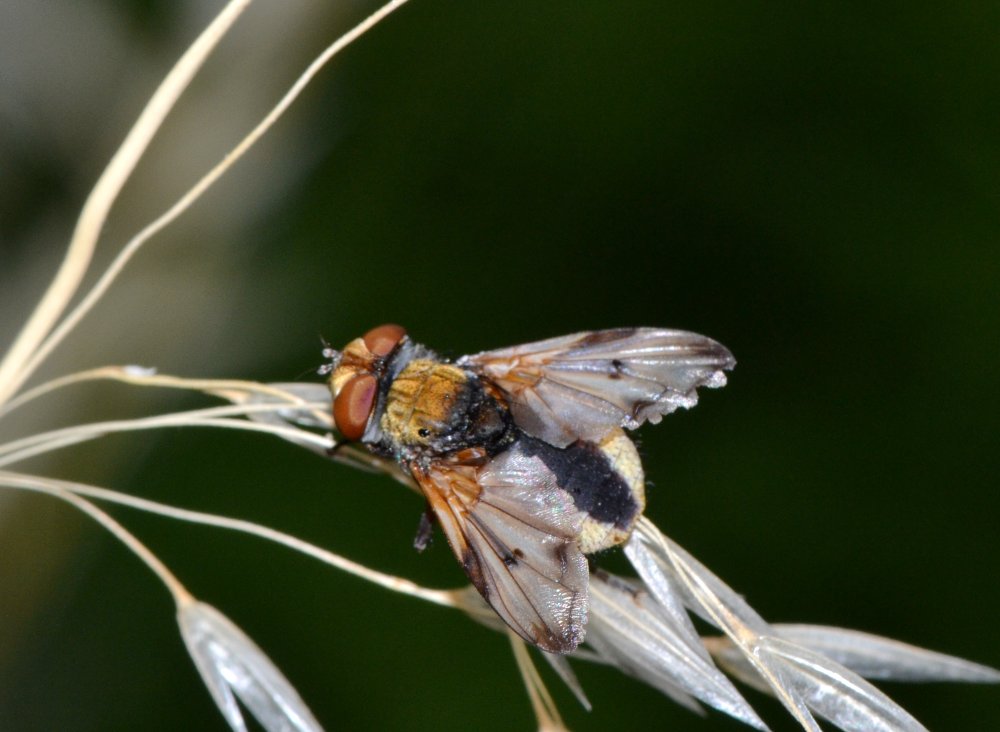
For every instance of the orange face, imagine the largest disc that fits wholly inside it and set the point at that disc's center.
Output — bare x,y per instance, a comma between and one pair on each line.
354,382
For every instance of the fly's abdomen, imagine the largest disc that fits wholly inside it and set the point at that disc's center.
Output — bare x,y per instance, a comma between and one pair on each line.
605,480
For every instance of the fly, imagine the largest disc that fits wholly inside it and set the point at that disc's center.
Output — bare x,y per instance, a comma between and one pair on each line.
522,453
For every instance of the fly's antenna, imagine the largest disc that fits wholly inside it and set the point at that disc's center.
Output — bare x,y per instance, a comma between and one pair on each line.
333,356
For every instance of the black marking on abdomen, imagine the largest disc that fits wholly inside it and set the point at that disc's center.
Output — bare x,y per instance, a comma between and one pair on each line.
586,473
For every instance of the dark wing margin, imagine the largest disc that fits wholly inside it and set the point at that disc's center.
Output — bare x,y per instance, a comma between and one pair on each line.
514,532
583,385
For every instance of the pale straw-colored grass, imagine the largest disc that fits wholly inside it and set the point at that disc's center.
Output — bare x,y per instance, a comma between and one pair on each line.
230,664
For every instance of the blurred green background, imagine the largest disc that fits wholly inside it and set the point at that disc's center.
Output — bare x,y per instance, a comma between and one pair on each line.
814,185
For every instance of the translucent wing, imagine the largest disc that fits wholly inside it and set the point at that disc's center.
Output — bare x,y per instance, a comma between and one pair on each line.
514,532
581,386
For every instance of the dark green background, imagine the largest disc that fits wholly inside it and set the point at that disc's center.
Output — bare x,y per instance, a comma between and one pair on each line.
814,185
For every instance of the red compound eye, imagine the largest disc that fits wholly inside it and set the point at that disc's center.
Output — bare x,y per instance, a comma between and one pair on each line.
354,404
383,339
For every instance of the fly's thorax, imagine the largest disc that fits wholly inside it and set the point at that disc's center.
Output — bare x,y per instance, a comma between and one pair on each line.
439,407
421,401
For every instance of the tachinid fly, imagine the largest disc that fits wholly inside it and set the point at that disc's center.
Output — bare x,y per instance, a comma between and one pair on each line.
522,453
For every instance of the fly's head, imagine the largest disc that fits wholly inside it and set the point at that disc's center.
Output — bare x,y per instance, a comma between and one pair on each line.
359,377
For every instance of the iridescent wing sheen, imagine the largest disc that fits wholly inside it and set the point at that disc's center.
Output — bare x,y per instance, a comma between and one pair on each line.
514,532
581,386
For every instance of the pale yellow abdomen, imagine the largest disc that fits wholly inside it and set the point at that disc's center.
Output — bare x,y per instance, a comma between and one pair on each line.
597,535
